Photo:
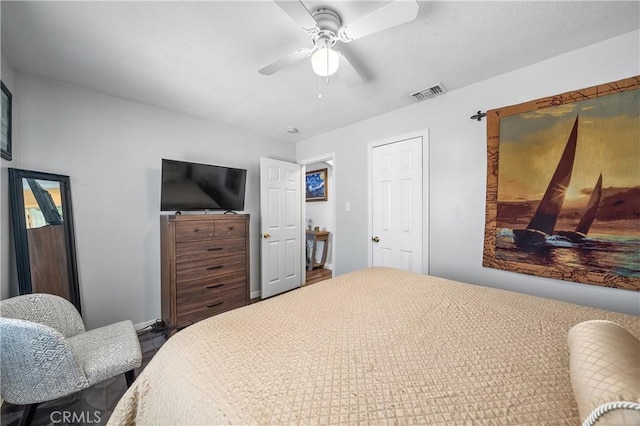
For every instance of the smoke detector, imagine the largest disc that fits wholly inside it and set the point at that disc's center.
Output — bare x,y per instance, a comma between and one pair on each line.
429,92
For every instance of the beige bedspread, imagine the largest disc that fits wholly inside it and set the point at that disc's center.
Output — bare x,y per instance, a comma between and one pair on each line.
377,346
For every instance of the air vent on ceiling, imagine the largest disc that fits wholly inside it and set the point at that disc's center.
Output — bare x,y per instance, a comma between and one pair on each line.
429,92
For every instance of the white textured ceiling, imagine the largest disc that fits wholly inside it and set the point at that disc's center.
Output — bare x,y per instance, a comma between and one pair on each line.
202,58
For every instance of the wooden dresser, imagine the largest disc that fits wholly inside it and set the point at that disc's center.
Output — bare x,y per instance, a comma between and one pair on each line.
205,266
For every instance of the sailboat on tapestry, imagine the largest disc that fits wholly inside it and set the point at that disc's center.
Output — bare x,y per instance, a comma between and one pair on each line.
579,235
541,228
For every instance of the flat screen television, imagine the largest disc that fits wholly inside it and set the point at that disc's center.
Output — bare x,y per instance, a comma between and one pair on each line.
194,186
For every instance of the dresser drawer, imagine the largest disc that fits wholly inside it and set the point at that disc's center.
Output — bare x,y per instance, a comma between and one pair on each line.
206,289
230,228
209,249
194,230
193,310
207,268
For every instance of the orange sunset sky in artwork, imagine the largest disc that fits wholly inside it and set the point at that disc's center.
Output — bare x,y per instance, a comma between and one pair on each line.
531,144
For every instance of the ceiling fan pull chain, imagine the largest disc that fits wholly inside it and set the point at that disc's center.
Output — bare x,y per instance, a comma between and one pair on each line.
327,63
319,87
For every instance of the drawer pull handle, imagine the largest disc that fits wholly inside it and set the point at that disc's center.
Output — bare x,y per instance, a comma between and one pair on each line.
214,285
215,267
214,249
196,230
219,302
230,228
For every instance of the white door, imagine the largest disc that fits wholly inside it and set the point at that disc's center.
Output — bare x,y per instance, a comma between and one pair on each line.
280,225
396,205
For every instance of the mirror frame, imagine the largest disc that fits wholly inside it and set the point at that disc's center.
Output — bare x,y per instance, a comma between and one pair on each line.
19,222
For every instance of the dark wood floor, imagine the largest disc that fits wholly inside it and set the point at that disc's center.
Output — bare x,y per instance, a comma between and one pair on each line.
318,275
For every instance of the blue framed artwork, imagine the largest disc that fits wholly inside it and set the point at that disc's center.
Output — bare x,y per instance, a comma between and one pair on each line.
316,185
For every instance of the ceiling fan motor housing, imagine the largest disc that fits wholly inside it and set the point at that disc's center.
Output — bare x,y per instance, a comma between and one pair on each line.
329,22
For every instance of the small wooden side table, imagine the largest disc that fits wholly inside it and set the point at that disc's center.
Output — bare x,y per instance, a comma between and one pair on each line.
316,236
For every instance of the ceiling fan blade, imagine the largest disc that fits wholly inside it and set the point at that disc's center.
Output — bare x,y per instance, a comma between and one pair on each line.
285,61
348,73
299,13
396,13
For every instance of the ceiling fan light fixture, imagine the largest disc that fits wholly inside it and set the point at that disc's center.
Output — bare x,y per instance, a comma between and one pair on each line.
325,61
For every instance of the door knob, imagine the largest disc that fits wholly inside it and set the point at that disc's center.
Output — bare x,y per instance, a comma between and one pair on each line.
266,235
375,239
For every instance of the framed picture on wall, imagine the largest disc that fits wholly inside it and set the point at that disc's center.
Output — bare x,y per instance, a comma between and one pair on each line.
5,136
316,185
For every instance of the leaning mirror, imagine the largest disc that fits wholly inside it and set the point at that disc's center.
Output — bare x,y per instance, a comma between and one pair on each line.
44,234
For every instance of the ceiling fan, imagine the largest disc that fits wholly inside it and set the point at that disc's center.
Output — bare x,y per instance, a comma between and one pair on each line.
325,28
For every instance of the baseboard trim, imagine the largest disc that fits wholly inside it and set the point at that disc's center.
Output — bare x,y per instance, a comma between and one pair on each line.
255,295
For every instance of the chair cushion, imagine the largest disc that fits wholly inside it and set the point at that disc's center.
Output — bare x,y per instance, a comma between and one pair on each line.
605,373
37,363
107,351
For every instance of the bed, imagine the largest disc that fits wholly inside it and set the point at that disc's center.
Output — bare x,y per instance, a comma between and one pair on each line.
376,346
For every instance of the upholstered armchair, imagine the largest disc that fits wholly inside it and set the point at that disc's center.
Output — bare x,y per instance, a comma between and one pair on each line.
46,353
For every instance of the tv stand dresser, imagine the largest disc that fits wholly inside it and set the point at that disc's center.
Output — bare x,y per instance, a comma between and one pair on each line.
204,266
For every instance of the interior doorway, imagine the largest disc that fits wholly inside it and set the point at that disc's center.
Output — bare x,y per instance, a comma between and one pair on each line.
318,214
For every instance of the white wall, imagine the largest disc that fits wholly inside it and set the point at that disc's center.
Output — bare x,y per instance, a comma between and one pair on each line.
7,269
457,165
321,212
112,150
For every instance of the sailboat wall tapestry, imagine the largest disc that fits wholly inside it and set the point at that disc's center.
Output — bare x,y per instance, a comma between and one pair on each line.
563,186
